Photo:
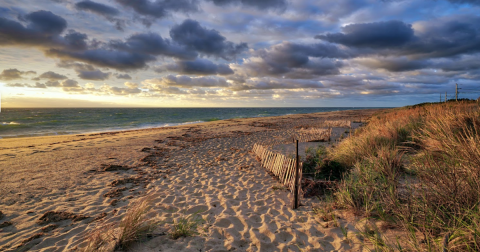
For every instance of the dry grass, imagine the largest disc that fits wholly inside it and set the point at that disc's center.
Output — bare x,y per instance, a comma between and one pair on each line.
134,226
419,168
101,239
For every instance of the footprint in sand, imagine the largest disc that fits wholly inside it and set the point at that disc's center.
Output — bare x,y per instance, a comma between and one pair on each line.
259,237
197,209
237,223
241,244
223,223
233,203
197,194
284,237
168,199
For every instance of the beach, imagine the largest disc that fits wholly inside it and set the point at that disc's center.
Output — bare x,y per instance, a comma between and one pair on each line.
205,169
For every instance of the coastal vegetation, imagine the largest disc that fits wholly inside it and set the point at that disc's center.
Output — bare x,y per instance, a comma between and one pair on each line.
134,226
415,168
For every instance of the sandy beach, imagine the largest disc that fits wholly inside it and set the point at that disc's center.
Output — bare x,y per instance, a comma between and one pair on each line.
204,168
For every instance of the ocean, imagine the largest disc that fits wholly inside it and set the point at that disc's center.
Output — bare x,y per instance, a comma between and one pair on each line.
28,122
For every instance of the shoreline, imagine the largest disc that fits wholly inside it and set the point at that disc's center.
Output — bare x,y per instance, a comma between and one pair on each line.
44,138
202,167
60,130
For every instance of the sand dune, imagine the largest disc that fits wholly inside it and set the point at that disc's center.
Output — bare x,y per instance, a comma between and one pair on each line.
86,180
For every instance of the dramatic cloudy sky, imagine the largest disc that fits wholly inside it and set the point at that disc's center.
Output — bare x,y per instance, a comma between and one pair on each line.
64,53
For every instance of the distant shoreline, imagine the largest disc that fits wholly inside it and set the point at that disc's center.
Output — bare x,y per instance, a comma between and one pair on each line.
19,123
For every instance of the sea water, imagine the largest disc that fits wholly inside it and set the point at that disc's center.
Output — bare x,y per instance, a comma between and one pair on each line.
26,122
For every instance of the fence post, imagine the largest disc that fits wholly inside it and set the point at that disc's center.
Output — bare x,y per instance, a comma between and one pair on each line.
296,200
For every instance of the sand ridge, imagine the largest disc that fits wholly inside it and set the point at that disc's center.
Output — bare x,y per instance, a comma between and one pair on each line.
201,168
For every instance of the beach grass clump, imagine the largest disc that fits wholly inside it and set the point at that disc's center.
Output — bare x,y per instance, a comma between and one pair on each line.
134,226
186,226
417,168
101,239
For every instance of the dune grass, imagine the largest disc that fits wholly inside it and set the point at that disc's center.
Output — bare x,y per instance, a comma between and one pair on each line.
418,168
134,226
186,226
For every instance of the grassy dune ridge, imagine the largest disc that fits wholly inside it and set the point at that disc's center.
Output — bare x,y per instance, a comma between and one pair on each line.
416,168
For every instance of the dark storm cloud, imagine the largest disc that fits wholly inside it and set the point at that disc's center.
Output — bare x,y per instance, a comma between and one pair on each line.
85,71
463,64
292,60
46,22
262,5
106,11
43,30
49,26
13,73
133,53
197,67
189,82
52,76
446,37
154,44
294,54
163,8
209,42
399,64
442,37
160,8
123,76
97,8
105,57
75,40
443,43
93,75
372,35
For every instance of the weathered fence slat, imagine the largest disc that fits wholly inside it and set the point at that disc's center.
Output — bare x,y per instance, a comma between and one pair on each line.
278,164
313,135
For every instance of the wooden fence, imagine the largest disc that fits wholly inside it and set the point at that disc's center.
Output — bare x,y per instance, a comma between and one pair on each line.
278,164
313,135
338,123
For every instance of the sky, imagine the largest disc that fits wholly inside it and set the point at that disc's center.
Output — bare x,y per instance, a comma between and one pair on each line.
237,53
